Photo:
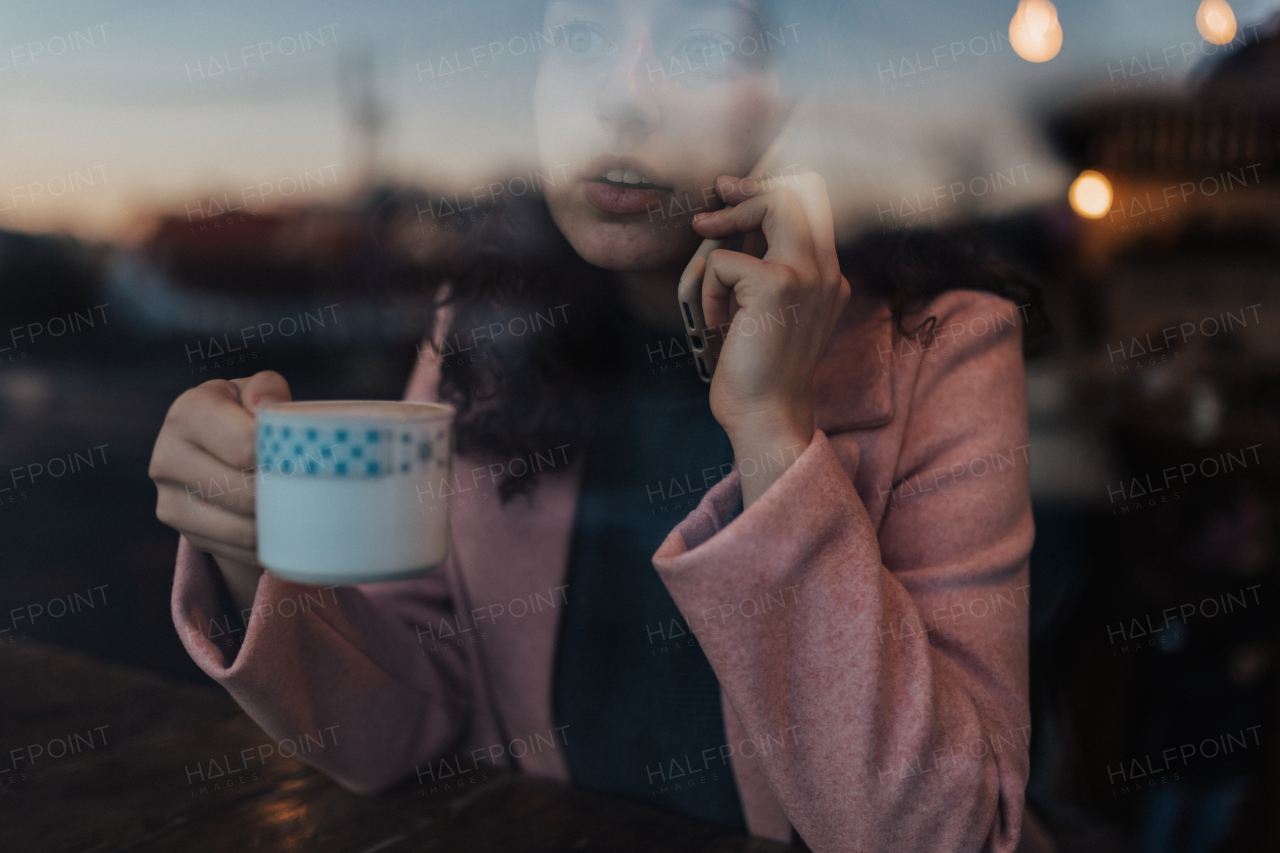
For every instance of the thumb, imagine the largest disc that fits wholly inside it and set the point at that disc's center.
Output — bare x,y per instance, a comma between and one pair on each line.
261,389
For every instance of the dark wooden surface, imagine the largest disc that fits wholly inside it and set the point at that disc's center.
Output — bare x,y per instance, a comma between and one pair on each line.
132,791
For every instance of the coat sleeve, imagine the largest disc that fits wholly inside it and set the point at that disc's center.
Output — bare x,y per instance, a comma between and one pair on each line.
882,675
344,664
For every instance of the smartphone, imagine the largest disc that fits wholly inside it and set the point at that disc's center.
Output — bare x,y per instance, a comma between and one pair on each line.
704,343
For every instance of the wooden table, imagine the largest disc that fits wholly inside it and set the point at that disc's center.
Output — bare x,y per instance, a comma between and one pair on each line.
97,757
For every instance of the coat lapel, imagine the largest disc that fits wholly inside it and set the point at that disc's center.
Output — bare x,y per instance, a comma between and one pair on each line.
851,387
513,559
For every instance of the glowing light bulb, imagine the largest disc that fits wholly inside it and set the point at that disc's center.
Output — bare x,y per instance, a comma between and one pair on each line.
1090,194
1216,22
1034,32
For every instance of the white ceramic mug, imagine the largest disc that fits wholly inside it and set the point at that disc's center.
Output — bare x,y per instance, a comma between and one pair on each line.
344,489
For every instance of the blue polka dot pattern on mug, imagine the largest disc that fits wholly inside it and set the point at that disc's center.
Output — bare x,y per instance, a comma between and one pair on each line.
325,450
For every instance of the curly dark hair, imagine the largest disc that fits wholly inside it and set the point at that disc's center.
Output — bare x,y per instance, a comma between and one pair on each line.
909,268
517,395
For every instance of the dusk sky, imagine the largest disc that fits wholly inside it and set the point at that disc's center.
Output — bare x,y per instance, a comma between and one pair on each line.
110,111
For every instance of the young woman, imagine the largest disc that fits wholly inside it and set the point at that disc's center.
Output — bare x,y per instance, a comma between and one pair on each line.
794,601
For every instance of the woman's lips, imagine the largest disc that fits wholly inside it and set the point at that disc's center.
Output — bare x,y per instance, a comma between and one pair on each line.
613,199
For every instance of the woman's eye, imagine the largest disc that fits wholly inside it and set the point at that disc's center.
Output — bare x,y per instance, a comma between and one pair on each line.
581,39
705,57
704,49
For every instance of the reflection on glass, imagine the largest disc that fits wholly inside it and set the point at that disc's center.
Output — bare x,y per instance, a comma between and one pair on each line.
1090,194
1215,21
1034,32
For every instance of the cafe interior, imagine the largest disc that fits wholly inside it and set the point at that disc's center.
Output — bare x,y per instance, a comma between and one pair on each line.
175,176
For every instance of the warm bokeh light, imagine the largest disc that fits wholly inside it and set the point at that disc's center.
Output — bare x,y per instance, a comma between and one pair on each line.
1034,32
1216,22
1090,194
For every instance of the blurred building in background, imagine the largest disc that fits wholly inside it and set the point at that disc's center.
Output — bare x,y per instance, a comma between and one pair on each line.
1170,365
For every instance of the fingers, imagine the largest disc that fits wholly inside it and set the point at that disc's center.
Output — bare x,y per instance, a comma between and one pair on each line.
779,216
693,269
262,388
733,279
724,271
217,416
212,419
204,459
198,473
809,190
212,524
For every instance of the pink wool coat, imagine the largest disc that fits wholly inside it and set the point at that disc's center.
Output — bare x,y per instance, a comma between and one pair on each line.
867,617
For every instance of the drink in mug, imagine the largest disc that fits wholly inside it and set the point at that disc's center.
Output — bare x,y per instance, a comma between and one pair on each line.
344,489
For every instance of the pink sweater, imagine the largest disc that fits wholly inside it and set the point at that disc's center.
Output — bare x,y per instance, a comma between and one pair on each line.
866,617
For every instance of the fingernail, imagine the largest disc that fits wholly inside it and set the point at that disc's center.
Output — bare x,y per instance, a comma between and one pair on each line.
698,217
265,400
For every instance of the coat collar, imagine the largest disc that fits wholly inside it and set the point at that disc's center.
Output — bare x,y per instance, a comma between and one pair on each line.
852,383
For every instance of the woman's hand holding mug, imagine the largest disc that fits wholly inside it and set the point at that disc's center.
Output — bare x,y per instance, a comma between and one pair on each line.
207,442
779,310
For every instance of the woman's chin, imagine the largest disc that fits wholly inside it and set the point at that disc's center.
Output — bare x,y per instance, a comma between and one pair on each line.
624,250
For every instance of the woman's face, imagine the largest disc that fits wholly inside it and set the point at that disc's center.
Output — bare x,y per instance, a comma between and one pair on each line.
641,104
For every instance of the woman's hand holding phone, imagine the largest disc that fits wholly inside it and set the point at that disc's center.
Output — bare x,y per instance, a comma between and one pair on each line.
779,311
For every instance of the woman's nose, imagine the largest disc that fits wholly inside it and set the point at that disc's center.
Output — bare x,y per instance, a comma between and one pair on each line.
628,101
